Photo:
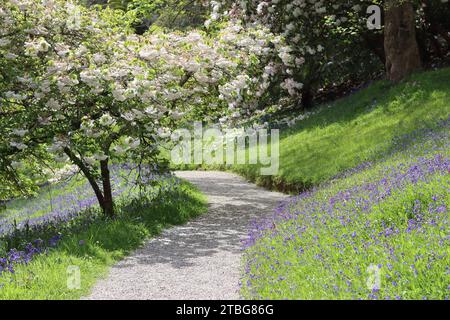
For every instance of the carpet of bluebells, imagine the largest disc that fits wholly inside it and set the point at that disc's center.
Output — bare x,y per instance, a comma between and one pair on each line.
29,227
379,231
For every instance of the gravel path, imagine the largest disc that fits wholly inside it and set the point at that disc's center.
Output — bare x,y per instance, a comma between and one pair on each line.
201,259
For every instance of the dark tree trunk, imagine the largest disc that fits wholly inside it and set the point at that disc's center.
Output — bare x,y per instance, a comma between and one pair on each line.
400,43
77,161
307,98
108,202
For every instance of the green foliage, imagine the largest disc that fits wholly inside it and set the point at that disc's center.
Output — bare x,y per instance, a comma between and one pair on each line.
355,129
100,246
170,14
154,14
334,48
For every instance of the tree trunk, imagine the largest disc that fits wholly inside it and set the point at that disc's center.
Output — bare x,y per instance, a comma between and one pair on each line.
108,202
307,98
400,43
77,161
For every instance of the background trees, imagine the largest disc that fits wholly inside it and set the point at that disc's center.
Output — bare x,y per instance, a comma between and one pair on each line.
173,14
334,49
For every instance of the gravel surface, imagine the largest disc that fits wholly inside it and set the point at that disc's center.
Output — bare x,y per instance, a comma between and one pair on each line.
201,259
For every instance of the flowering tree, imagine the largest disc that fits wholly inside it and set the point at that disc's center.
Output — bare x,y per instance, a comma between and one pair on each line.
329,43
76,87
325,41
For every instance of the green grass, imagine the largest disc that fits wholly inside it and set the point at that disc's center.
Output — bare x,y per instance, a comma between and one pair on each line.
102,244
354,129
329,239
46,200
337,137
323,243
71,194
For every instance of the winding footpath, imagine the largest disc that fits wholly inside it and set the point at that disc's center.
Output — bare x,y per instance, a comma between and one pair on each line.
201,259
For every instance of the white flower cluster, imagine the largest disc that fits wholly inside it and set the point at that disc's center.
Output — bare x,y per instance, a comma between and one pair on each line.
292,86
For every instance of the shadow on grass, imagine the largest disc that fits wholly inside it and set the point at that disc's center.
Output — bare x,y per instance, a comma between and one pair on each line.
136,222
356,129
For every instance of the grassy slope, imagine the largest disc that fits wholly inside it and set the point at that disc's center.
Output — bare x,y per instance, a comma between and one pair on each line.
328,239
355,129
43,202
101,245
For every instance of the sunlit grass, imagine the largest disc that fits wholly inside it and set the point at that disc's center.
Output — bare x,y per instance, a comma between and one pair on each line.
101,245
390,215
355,129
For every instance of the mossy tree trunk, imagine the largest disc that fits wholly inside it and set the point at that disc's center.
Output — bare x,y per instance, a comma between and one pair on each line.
400,43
